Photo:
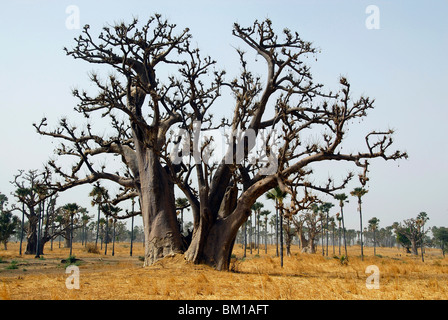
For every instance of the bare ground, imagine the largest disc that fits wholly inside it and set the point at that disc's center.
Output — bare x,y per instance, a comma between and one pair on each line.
258,276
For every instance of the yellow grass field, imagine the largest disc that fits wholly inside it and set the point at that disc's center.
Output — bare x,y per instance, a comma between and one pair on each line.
304,276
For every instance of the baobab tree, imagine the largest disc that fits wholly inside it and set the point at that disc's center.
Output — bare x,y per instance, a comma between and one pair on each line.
38,207
160,84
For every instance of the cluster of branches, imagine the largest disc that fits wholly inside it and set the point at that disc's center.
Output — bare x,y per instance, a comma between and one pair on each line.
136,52
145,108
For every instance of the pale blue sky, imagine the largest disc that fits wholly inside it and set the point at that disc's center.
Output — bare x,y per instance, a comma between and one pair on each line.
402,65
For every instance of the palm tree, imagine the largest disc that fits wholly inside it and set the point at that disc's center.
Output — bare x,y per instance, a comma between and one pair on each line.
333,226
101,226
99,195
421,219
71,209
21,193
181,205
278,195
342,197
256,207
132,226
373,225
359,193
265,213
339,220
114,211
325,208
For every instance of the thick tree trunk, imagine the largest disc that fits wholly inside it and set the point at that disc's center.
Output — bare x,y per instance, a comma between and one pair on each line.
217,246
213,239
162,234
414,247
31,236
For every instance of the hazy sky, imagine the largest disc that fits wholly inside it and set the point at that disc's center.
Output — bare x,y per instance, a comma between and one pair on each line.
402,65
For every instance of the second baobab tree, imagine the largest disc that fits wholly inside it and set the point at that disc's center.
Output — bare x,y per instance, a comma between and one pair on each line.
159,84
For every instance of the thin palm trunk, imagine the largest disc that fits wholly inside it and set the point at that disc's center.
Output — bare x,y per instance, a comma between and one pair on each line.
266,235
343,231
281,238
258,233
276,228
71,233
360,223
245,239
326,232
98,226
113,240
132,231
21,233
107,235
38,232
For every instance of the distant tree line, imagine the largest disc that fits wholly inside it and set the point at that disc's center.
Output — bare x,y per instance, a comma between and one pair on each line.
305,223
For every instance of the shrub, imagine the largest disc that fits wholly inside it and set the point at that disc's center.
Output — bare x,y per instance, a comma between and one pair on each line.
91,248
12,265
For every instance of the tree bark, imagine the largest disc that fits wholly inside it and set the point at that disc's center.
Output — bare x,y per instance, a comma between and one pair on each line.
31,236
162,234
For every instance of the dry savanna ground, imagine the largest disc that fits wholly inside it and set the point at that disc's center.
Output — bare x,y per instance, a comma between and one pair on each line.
304,276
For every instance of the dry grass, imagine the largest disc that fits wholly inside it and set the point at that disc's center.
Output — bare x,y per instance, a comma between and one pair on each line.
304,276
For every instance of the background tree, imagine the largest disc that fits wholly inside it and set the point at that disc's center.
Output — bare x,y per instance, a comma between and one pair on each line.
132,226
72,209
410,232
8,222
37,206
313,221
325,209
256,208
373,226
441,237
85,218
99,195
265,214
181,205
422,218
359,193
277,195
144,107
342,197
